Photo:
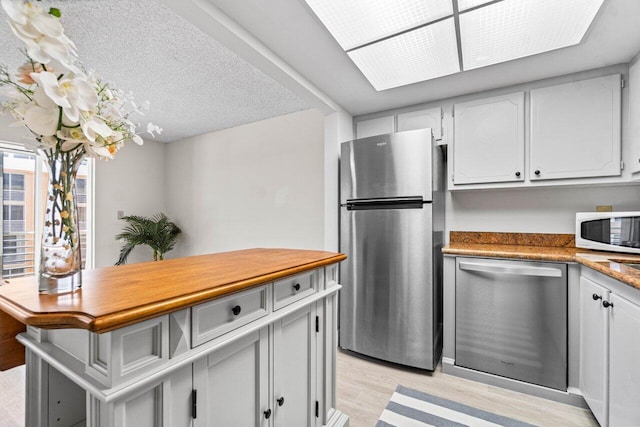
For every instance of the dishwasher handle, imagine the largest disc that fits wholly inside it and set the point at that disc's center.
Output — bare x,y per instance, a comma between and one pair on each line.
507,269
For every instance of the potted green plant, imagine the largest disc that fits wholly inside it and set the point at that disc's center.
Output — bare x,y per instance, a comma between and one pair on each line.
157,232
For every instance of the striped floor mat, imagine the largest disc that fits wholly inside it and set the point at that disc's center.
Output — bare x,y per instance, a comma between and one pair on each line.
411,408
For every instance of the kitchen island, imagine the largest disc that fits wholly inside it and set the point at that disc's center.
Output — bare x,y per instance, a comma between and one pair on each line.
238,338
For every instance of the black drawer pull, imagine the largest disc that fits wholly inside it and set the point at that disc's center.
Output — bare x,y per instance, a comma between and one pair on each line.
607,304
236,310
280,401
296,287
267,414
596,297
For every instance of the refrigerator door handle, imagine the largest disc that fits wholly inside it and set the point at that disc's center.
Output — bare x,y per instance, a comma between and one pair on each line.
520,271
411,202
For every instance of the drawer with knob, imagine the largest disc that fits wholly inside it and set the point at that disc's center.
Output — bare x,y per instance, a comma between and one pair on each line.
214,318
294,288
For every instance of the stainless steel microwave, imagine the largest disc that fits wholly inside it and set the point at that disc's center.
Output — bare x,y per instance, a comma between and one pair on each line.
608,231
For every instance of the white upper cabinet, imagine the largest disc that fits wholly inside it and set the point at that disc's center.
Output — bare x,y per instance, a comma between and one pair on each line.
575,129
489,140
373,127
634,115
422,119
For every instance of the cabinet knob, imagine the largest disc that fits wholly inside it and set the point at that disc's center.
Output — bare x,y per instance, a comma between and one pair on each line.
596,297
607,304
236,310
296,286
537,172
518,174
280,401
267,414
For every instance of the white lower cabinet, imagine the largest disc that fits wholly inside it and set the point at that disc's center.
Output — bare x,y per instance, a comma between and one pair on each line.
294,369
594,335
624,355
232,384
238,386
609,351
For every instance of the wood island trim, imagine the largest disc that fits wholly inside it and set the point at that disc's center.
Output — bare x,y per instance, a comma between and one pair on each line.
118,296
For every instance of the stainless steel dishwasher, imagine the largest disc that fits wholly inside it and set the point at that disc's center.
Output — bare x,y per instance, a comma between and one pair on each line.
511,319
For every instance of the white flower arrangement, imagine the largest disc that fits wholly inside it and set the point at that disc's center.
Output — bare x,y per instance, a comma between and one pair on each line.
68,109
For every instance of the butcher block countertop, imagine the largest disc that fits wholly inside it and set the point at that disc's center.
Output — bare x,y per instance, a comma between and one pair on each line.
114,297
542,247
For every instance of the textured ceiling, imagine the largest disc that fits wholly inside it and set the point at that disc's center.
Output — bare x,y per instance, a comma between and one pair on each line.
194,84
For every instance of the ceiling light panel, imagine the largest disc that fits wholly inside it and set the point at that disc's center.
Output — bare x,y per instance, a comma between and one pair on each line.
468,4
513,29
414,56
357,22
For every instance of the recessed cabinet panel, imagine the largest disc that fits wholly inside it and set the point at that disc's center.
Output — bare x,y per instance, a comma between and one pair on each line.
489,140
232,383
575,129
594,333
422,119
294,347
373,127
624,371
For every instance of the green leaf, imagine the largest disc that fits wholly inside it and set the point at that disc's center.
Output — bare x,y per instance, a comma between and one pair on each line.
157,232
55,12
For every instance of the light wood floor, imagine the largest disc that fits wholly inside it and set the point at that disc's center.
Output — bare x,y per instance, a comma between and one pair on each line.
364,388
12,397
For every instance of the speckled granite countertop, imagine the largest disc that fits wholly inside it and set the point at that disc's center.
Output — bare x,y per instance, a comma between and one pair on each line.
542,247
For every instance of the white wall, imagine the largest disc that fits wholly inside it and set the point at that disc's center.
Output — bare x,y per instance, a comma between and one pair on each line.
133,182
338,128
539,210
257,185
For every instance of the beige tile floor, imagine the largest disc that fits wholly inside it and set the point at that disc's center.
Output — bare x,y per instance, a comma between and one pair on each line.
364,388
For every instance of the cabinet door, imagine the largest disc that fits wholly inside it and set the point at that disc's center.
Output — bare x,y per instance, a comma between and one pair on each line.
233,384
624,370
575,129
634,115
294,370
594,343
423,119
373,127
488,141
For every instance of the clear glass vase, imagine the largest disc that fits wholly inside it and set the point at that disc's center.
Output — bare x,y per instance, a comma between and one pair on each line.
60,257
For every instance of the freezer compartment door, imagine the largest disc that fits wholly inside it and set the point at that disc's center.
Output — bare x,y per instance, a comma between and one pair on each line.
387,296
511,319
392,165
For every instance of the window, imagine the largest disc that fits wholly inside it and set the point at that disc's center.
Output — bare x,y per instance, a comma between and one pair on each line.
13,186
13,218
24,185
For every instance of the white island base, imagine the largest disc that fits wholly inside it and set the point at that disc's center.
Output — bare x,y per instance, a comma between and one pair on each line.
264,356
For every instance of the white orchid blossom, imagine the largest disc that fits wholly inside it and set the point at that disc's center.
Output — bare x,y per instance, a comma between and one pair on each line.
42,115
67,108
41,32
73,94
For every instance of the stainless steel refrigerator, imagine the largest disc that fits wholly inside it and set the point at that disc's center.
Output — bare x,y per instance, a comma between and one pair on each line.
391,228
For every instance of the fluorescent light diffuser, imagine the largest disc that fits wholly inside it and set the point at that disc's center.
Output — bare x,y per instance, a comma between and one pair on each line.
468,4
513,29
354,23
418,55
